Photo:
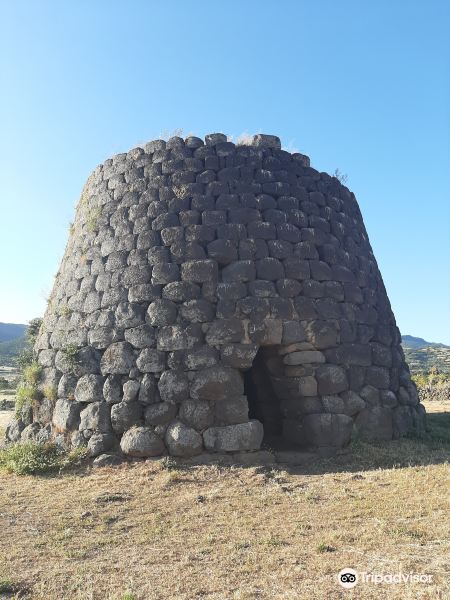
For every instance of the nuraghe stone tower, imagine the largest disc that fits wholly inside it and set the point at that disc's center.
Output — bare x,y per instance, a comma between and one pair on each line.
212,294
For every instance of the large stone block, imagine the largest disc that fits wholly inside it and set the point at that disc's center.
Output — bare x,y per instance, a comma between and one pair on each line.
173,386
172,337
151,361
141,442
223,251
148,392
141,336
233,410
197,311
375,423
402,421
200,357
331,379
225,331
378,377
266,141
266,333
89,388
99,443
304,357
182,440
234,438
322,334
199,271
66,415
328,430
217,383
161,312
293,331
124,415
238,356
16,426
197,414
350,354
160,413
240,271
96,417
118,358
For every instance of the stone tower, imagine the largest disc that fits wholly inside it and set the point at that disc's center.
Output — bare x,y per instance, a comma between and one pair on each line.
212,294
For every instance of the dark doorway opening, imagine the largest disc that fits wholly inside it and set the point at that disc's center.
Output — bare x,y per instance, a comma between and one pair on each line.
263,403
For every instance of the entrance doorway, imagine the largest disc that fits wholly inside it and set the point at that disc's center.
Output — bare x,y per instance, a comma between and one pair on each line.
263,403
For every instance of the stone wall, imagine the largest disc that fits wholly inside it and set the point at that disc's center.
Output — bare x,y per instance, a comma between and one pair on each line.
186,259
434,393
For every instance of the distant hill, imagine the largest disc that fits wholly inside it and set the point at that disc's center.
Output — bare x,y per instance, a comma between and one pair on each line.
11,331
10,350
12,342
422,355
409,341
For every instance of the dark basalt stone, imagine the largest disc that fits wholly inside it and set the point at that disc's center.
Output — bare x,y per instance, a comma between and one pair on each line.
225,291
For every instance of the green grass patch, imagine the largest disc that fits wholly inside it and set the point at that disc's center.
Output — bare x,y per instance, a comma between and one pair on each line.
70,353
439,428
6,587
36,459
31,373
322,548
50,392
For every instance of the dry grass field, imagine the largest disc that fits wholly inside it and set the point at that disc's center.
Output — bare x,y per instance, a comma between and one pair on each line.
145,531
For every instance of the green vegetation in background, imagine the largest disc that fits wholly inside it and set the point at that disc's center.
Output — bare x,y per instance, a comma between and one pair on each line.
433,377
27,392
10,350
4,384
26,357
424,359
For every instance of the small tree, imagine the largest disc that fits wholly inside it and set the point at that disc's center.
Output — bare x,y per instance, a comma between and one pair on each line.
341,177
27,391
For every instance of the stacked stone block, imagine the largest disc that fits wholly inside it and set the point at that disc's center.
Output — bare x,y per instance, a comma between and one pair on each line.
190,261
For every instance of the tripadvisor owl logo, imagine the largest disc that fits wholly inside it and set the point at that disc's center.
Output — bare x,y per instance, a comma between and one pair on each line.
348,578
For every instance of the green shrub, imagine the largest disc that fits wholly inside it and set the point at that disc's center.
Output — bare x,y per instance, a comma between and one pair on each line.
341,177
93,216
50,392
71,353
31,373
64,311
32,458
25,393
433,377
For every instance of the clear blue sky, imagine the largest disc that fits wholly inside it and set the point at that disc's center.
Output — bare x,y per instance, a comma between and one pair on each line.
359,86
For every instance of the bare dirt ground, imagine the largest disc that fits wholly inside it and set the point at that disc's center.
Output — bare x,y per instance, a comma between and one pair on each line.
5,416
143,531
9,373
